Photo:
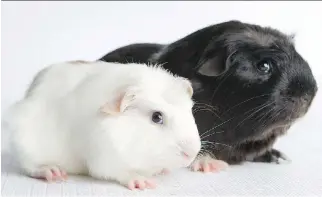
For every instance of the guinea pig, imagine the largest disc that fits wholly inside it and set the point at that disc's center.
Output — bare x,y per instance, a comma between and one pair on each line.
117,122
250,86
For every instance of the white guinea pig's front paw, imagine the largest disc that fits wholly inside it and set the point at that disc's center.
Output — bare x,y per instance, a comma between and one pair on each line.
205,163
49,173
141,183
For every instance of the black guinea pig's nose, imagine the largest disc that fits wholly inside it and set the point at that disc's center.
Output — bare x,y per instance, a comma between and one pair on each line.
306,98
303,100
303,89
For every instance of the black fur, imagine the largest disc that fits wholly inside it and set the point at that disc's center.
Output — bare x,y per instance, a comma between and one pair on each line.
133,53
240,111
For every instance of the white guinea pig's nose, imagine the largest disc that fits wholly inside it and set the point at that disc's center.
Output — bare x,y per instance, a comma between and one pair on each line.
190,148
184,154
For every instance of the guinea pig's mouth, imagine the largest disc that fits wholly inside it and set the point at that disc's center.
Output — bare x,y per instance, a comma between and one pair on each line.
279,118
292,110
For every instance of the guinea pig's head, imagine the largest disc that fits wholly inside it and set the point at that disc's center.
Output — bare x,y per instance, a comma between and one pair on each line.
158,114
256,80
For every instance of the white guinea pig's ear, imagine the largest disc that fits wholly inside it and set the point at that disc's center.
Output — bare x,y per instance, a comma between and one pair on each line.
187,85
119,103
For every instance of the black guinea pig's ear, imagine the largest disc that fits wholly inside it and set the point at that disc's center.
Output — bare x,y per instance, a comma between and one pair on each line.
216,65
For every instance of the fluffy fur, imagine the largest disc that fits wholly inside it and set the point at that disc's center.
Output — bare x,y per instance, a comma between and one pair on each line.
95,118
240,111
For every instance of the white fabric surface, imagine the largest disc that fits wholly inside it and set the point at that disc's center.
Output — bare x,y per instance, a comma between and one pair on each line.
301,177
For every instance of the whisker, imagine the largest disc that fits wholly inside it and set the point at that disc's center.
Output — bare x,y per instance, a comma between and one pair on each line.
219,85
267,114
205,104
272,116
205,109
278,113
216,143
246,101
217,132
207,142
206,151
265,117
258,110
203,135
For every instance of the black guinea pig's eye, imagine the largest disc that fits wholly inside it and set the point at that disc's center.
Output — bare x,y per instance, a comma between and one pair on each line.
157,117
264,67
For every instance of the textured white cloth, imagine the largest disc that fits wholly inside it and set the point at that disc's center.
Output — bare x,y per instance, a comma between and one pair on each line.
301,177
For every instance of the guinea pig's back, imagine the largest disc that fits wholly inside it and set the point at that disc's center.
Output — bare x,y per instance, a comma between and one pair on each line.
59,79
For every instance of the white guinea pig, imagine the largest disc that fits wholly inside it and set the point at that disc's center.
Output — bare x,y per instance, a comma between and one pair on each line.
119,122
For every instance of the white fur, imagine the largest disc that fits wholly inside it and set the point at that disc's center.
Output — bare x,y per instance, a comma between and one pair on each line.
61,122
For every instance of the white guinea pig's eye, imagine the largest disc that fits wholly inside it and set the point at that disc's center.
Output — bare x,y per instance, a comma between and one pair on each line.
264,67
157,117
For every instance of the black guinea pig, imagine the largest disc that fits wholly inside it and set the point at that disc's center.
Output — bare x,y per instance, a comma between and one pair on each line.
250,85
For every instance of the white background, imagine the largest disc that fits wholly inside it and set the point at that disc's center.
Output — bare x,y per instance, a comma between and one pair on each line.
35,34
